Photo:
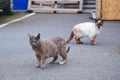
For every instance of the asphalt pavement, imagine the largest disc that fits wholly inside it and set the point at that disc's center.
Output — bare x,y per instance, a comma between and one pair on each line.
85,62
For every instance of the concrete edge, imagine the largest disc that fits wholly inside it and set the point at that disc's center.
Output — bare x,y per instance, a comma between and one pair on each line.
15,20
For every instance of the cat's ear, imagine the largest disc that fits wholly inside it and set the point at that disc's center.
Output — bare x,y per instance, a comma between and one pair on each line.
96,20
38,36
29,35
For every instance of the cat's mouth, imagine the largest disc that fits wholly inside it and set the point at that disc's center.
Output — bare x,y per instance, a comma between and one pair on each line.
35,45
99,26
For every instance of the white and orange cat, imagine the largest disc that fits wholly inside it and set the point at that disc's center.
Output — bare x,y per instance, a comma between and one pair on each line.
89,29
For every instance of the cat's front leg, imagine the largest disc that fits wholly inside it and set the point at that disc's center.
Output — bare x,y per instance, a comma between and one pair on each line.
38,59
42,62
92,39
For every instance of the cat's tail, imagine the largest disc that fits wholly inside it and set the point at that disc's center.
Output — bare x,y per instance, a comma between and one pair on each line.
68,49
71,36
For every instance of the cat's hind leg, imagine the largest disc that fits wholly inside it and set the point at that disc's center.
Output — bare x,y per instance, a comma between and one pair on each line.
78,41
54,59
63,54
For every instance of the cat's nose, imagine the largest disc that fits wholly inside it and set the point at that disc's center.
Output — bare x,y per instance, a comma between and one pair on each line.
33,44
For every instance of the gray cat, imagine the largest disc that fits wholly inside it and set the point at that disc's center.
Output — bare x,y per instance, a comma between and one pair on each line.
48,48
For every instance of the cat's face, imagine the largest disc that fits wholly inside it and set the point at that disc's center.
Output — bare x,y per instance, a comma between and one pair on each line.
34,41
99,23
